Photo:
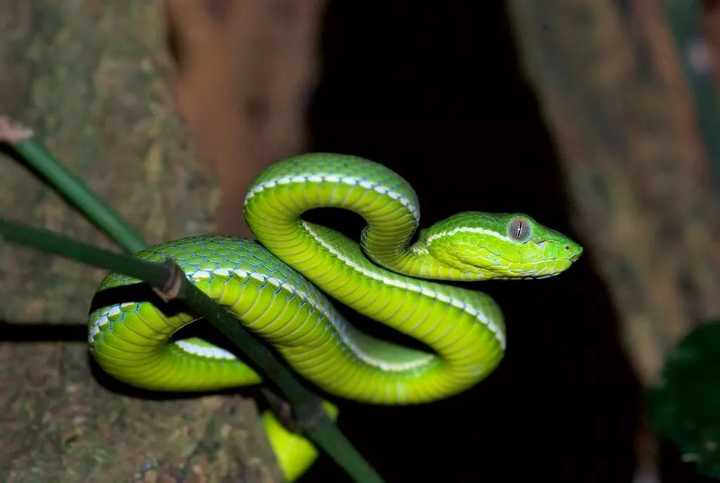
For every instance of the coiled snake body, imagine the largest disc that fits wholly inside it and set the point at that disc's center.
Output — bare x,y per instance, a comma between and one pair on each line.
464,329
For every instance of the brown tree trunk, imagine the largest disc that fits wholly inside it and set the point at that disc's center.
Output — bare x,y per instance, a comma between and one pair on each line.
93,79
246,72
623,120
610,80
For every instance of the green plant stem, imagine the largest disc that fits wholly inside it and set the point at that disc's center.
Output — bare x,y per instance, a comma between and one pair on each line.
312,421
78,194
154,274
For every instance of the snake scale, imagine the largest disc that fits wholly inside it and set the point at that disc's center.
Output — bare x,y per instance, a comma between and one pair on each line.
275,287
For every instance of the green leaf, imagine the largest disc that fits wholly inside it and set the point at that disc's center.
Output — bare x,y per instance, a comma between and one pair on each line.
685,406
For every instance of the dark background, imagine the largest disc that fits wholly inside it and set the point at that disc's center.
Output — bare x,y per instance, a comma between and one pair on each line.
434,91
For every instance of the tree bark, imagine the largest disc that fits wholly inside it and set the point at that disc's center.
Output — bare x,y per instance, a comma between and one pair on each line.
615,87
622,115
92,80
59,424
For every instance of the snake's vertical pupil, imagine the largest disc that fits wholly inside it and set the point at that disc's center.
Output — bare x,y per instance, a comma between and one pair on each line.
519,229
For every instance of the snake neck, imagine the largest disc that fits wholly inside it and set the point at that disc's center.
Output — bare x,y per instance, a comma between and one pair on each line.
276,201
419,260
412,259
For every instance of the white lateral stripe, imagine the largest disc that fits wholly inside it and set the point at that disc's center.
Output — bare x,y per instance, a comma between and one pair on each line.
96,325
409,285
335,319
326,310
335,178
204,351
465,229
419,250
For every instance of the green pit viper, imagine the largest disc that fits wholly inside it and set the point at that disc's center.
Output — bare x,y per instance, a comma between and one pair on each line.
274,286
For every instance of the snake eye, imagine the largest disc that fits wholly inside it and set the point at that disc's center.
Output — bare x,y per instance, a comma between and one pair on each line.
519,229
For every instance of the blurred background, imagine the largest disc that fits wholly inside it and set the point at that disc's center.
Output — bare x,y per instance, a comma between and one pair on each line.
598,118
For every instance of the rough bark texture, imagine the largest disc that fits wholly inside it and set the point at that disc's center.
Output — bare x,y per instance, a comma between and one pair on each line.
59,424
609,80
92,79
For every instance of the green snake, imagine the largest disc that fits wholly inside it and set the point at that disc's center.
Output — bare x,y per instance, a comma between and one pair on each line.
274,286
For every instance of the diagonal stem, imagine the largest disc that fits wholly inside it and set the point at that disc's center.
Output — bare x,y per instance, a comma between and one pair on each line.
171,282
78,194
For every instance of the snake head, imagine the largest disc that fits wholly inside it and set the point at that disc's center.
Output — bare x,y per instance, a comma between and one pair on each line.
499,245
